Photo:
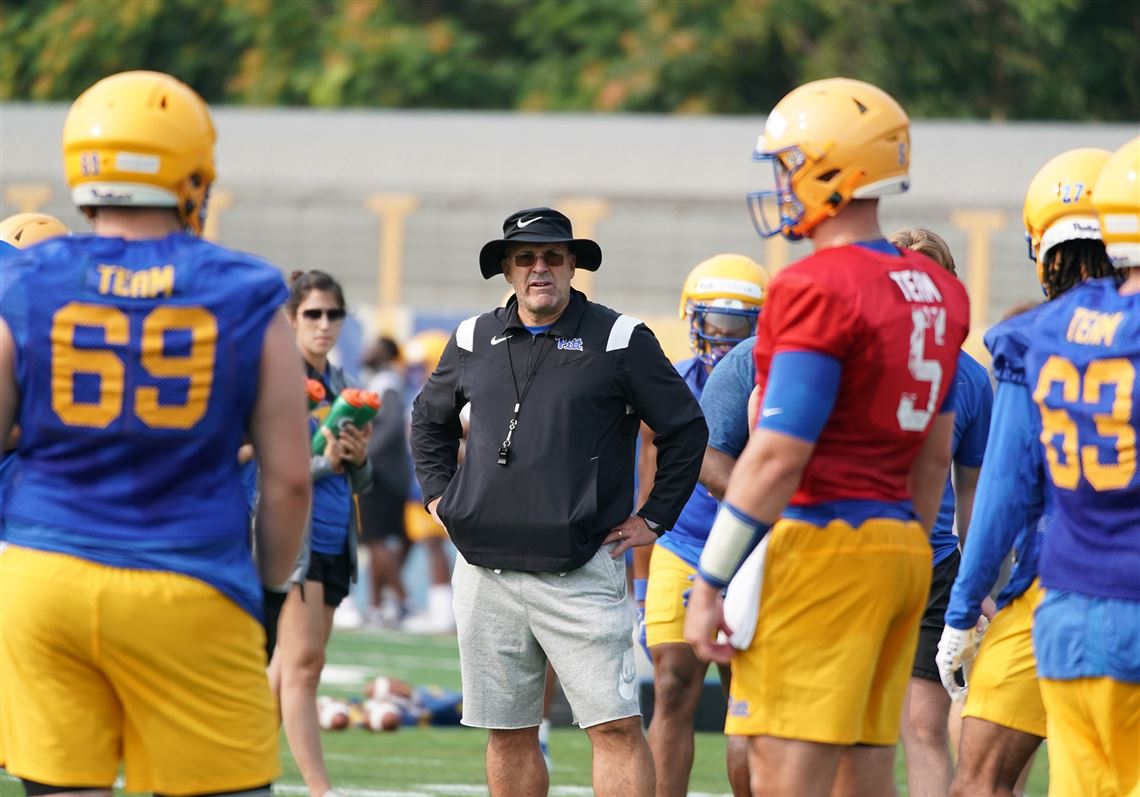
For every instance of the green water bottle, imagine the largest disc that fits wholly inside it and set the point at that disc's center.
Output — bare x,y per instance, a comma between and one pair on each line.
343,412
371,406
314,392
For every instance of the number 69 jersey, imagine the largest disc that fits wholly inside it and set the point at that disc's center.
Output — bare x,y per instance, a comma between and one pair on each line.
137,363
896,321
1082,356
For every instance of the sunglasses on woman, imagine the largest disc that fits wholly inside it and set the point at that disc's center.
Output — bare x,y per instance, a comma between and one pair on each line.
333,314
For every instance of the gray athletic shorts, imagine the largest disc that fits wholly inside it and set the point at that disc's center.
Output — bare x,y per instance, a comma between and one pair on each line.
511,622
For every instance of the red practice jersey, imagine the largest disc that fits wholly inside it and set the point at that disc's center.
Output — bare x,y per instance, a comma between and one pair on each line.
896,324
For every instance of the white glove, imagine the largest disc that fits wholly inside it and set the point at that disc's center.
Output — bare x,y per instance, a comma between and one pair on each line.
956,650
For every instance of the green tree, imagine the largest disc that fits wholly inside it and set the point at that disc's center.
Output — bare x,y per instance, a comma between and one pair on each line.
1015,59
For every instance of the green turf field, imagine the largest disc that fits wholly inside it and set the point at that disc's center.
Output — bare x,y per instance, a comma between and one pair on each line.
448,762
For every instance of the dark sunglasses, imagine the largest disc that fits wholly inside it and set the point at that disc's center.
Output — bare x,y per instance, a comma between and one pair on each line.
314,314
528,259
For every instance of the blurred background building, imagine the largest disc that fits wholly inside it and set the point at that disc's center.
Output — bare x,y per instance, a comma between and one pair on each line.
398,203
385,140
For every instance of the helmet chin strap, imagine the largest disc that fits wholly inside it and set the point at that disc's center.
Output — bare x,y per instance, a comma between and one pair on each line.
840,197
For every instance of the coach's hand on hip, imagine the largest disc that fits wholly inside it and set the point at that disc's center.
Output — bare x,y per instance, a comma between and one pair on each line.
431,508
630,534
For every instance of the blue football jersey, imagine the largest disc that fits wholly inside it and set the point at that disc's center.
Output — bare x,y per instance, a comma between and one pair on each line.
973,401
1082,361
8,257
689,534
137,366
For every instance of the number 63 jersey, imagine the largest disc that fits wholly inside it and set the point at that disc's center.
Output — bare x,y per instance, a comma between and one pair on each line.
137,364
1081,357
896,321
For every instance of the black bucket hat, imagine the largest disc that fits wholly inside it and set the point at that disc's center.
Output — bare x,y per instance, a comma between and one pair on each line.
538,225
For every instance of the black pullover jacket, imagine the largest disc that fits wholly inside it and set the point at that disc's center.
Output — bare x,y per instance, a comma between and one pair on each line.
593,377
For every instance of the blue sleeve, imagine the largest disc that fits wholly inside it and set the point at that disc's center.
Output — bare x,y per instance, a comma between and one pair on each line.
800,394
1010,496
724,400
979,397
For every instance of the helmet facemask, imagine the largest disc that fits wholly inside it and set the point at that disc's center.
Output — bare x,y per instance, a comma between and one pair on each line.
779,210
716,327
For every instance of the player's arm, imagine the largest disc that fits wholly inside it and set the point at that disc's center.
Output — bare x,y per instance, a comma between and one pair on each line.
971,451
965,490
437,428
724,402
801,392
646,472
278,432
659,395
9,392
800,395
716,469
1010,496
929,470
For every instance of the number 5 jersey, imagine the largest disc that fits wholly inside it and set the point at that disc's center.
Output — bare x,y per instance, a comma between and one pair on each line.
895,321
137,365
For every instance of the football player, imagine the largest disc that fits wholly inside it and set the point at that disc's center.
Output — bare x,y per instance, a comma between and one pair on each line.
856,352
1004,718
1082,357
926,708
19,232
721,300
422,354
129,599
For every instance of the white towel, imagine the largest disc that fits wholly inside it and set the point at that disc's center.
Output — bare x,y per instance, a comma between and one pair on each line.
742,600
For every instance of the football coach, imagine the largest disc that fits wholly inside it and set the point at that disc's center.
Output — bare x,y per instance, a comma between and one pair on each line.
540,508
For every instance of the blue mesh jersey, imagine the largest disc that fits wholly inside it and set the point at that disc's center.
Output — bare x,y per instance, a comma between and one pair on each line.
1012,507
689,534
133,414
973,401
8,256
1082,364
725,399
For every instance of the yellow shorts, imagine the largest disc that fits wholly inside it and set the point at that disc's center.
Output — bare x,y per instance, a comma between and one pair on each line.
669,577
159,670
836,633
1004,688
419,524
1094,736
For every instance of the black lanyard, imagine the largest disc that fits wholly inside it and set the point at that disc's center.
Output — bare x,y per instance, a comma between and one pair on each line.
505,446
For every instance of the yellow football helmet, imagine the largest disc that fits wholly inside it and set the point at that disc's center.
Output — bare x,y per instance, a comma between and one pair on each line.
141,139
425,349
25,229
1116,199
829,141
721,299
1058,203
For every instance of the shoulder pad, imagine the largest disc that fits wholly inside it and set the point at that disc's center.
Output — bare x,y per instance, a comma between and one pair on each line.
1008,342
